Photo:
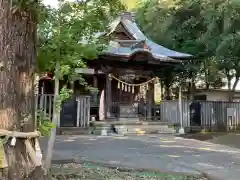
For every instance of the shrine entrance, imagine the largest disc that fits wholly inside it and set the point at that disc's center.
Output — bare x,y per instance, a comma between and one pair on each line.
132,96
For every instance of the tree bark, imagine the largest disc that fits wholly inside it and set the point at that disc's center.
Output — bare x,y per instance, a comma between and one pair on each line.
18,55
191,89
232,90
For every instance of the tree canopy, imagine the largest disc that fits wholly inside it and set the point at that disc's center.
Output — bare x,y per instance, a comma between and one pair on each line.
209,30
79,23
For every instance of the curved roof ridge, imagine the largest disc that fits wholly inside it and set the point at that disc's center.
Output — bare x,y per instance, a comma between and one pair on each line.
134,29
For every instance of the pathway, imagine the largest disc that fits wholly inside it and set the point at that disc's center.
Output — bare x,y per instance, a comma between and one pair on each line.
162,152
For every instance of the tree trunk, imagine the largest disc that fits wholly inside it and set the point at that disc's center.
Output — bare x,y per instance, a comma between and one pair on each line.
18,56
191,89
232,90
206,74
229,83
52,138
207,85
168,92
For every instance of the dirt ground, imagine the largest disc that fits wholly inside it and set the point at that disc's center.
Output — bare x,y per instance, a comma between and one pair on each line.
95,172
228,139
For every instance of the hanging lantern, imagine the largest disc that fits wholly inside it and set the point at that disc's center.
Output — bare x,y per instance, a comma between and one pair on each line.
126,88
133,89
118,85
122,86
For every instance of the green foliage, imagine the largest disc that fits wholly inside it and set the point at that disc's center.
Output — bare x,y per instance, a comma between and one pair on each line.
207,29
44,124
130,4
70,34
64,95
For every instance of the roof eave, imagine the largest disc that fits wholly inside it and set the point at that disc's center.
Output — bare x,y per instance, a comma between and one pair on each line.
162,59
182,57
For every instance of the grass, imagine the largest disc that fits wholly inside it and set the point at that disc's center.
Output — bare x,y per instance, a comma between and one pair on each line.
96,172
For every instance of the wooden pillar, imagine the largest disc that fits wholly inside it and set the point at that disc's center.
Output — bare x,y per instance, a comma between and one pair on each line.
72,85
154,102
108,97
95,85
150,97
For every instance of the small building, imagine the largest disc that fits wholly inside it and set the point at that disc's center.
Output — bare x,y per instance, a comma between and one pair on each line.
215,95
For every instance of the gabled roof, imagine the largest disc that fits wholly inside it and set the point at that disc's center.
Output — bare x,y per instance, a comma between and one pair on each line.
157,51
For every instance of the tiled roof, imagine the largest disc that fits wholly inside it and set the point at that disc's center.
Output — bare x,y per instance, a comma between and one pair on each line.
157,51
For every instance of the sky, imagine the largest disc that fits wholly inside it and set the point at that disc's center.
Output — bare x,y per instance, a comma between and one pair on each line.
129,3
52,3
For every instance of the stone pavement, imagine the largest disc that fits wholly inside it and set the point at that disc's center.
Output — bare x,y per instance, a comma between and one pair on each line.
160,152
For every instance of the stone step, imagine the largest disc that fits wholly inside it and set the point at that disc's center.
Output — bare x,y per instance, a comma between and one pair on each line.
72,131
101,130
143,129
126,122
105,128
130,127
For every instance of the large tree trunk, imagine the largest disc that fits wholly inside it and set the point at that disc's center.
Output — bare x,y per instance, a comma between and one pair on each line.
233,89
18,56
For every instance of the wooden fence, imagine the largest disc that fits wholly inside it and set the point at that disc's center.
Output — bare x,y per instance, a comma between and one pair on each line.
83,111
74,113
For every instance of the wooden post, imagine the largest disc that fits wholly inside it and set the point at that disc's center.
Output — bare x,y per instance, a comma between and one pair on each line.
56,114
108,96
32,154
72,85
154,102
95,85
180,106
150,101
78,99
54,121
181,130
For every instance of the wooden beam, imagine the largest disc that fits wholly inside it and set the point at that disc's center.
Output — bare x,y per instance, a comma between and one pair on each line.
31,152
86,71
16,134
3,159
106,69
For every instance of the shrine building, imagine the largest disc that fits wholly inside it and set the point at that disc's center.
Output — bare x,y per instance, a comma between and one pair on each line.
125,74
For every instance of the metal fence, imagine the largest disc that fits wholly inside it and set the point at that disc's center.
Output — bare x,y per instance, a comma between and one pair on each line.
168,111
201,113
